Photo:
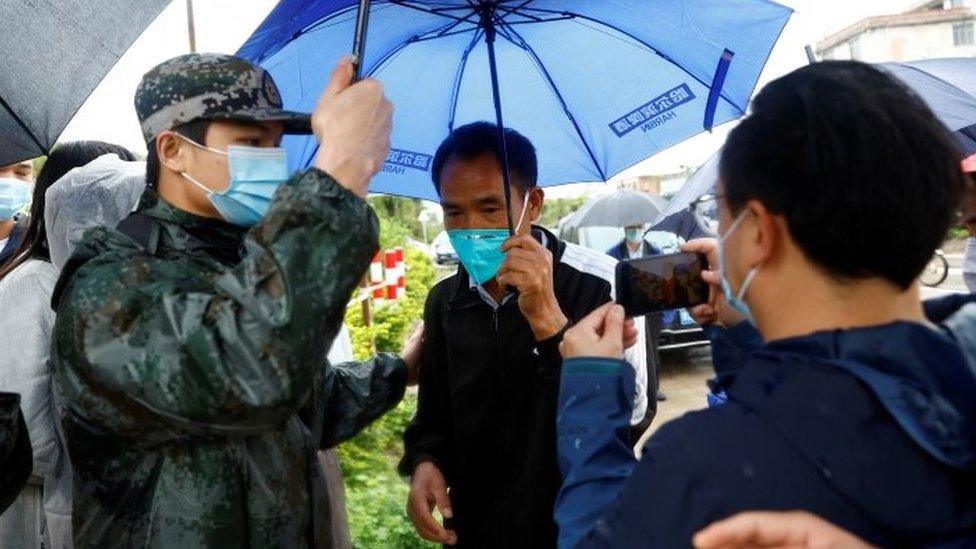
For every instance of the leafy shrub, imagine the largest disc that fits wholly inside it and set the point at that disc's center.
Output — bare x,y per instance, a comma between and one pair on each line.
375,494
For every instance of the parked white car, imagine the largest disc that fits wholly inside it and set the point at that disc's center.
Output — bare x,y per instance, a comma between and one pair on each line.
442,251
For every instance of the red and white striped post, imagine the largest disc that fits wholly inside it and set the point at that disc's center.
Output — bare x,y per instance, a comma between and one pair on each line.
401,270
392,288
376,275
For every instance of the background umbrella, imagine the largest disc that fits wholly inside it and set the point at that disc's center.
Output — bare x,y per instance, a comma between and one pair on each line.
53,55
948,86
597,86
622,208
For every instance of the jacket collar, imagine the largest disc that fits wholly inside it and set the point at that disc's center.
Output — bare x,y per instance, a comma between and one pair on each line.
186,232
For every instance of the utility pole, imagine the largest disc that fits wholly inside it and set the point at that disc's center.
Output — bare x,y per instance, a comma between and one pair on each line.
190,27
811,58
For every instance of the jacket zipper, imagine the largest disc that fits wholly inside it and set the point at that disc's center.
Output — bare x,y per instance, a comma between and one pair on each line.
506,407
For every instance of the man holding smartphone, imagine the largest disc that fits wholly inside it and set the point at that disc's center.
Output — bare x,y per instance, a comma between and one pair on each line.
843,399
482,446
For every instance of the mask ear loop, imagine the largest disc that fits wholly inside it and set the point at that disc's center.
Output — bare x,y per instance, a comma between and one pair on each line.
202,187
747,282
752,272
525,209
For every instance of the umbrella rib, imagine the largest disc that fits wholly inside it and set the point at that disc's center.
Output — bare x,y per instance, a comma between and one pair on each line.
322,23
455,95
651,48
413,40
431,11
17,119
555,90
514,11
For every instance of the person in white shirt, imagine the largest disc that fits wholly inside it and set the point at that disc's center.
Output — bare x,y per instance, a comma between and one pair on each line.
41,516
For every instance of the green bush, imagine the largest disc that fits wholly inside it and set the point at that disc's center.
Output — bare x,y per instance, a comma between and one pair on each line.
958,233
376,495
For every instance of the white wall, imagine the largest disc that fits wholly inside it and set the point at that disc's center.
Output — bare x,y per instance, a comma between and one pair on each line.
906,43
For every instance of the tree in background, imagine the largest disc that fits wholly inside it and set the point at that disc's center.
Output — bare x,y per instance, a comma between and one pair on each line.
556,209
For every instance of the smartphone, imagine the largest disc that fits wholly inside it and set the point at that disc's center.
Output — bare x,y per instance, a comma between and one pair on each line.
660,283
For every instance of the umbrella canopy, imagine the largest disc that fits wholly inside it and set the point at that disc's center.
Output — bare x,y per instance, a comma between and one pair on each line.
596,86
622,208
948,86
53,55
685,224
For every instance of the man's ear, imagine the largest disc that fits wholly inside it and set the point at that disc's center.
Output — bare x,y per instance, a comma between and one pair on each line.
768,234
171,152
536,197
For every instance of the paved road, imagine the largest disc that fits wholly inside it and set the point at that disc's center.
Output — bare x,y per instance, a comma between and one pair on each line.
685,372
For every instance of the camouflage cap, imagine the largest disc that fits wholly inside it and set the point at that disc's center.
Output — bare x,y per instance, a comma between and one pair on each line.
211,87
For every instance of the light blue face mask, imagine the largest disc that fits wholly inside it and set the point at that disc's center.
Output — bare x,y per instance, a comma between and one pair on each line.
480,250
736,300
14,195
255,174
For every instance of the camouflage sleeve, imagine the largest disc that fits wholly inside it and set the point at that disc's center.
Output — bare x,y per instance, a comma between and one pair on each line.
357,393
137,352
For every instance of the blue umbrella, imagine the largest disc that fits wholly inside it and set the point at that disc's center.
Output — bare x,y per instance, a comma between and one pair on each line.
597,86
948,87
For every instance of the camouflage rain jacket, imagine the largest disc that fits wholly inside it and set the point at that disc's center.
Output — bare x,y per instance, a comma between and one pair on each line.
191,371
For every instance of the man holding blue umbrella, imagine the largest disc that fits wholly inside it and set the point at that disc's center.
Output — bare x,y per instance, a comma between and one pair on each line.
485,427
189,352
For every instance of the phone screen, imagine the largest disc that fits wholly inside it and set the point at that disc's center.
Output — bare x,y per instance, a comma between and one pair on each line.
661,283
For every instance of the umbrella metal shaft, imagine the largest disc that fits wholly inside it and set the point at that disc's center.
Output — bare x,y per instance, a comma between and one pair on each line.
489,26
359,42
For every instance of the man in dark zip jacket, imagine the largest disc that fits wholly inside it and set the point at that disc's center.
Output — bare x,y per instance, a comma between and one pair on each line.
843,401
485,424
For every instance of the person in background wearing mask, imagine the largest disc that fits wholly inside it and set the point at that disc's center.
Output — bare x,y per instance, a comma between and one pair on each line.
190,345
842,399
15,193
635,246
486,416
26,283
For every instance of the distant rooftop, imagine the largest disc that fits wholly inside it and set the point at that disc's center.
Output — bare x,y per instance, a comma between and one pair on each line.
922,13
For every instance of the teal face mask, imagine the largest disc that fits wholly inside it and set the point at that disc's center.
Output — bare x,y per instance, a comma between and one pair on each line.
255,174
480,250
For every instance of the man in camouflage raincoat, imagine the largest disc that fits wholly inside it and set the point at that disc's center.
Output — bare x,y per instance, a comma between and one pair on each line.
190,347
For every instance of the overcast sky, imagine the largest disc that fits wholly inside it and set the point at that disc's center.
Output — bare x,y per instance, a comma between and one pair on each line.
223,25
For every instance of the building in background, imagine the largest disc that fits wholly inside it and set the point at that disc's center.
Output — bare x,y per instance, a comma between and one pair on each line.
935,28
664,185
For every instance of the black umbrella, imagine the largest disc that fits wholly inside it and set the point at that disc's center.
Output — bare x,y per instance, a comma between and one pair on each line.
53,55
